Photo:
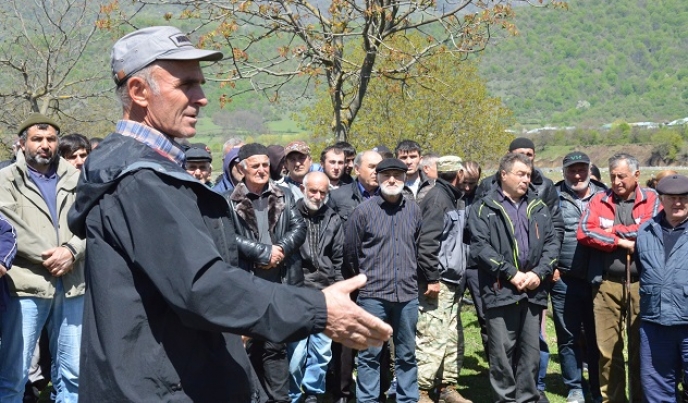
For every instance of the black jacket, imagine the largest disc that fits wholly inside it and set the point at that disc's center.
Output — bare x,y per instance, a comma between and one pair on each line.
329,255
287,230
345,199
441,251
574,258
543,188
163,292
493,247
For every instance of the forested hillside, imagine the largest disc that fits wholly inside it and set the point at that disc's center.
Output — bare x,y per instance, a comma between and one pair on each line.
598,62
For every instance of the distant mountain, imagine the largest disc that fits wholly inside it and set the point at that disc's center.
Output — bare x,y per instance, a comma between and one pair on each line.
598,62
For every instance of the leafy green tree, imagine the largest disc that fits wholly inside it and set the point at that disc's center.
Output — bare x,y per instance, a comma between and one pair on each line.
445,107
667,143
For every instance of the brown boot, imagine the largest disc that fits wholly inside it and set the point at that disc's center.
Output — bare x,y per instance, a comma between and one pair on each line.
425,397
449,394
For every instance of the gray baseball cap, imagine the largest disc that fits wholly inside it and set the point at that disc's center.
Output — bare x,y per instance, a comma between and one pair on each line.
140,48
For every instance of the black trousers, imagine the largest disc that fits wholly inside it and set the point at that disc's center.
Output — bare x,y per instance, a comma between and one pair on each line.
270,362
473,286
514,344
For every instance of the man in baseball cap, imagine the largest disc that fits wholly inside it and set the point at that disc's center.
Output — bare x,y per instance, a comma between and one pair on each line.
297,159
163,275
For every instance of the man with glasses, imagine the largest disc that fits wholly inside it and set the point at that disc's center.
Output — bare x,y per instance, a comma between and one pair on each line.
380,241
515,248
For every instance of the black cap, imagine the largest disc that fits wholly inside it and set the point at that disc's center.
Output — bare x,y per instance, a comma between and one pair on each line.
251,149
576,157
390,164
198,152
673,185
521,142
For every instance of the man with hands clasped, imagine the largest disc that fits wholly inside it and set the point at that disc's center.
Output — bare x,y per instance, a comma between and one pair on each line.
515,247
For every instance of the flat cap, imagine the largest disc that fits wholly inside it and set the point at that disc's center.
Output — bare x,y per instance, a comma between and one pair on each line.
297,147
576,157
449,163
198,152
34,119
251,149
391,164
521,142
673,185
140,48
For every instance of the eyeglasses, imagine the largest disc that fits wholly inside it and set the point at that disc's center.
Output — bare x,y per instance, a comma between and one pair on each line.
521,174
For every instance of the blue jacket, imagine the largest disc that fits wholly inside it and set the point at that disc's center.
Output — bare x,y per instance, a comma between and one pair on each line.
8,250
663,282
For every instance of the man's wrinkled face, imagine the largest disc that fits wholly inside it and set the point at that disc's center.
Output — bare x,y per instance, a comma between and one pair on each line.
333,165
256,171
515,182
391,182
77,158
40,147
316,192
577,176
298,165
173,109
675,208
366,172
200,170
411,159
624,181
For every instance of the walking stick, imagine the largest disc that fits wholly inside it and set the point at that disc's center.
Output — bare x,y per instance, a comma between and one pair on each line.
628,321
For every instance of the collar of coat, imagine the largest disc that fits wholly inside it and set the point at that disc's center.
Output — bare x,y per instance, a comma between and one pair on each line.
244,206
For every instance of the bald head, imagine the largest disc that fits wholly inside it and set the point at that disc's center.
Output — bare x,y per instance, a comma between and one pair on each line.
316,190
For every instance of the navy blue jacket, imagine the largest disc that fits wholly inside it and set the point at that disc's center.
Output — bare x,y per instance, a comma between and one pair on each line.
663,281
8,250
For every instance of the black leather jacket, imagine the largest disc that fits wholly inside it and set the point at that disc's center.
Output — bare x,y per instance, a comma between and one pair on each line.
287,230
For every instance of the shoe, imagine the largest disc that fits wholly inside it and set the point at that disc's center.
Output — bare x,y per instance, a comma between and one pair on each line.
392,391
575,396
543,397
449,394
425,397
311,399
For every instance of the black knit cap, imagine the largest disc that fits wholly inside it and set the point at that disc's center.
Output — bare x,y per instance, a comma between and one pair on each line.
521,142
251,149
674,185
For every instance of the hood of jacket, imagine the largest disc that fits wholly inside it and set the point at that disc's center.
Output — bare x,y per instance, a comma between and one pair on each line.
105,166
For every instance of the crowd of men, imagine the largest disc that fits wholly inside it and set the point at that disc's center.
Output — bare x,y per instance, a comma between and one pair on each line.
148,282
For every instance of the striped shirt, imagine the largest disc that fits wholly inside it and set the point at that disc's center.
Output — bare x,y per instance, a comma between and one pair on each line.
381,242
152,138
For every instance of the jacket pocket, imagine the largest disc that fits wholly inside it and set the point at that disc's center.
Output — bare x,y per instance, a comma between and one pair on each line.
650,302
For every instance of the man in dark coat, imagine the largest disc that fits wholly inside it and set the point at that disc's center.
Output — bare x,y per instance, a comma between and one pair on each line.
165,302
270,232
515,248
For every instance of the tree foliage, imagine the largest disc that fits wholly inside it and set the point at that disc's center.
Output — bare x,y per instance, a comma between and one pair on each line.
443,105
313,36
50,64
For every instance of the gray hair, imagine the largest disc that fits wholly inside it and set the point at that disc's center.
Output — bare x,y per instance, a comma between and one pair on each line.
507,162
631,161
305,179
146,74
428,159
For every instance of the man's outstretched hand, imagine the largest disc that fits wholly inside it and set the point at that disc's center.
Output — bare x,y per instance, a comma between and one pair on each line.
349,324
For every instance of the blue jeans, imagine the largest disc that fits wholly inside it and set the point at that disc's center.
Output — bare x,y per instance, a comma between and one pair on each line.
572,312
402,316
663,361
20,328
308,360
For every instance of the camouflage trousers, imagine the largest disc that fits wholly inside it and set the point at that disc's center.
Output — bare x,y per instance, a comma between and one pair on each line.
439,337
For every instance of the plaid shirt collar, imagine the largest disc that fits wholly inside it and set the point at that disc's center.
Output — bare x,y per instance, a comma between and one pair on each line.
153,139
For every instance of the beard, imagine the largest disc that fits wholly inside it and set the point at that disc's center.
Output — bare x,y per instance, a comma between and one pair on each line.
390,191
315,205
36,159
578,186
